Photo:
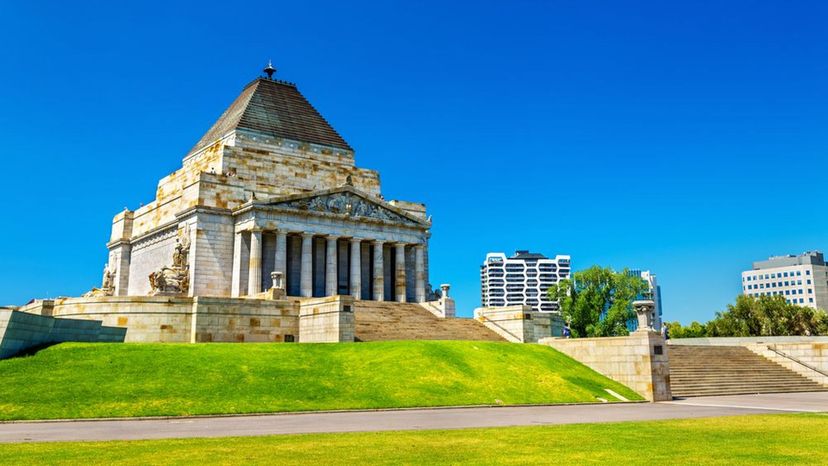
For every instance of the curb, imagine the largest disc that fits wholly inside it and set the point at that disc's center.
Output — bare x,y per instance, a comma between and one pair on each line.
299,413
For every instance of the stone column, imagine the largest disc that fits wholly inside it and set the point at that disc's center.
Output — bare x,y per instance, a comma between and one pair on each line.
331,267
399,275
306,281
356,268
238,246
280,261
419,273
379,280
254,272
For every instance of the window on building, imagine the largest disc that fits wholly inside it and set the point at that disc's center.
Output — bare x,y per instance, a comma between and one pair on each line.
798,273
807,272
808,281
810,291
810,300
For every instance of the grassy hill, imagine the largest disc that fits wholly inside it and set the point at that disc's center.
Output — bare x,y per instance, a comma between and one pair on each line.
82,380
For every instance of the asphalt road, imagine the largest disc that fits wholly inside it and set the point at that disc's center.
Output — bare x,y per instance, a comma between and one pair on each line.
414,419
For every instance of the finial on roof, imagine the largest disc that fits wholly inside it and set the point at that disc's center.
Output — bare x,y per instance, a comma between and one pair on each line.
269,69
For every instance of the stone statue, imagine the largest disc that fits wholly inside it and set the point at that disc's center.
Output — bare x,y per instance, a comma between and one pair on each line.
107,285
175,280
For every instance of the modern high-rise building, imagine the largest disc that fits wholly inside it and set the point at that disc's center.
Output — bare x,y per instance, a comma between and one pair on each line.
801,279
653,292
521,279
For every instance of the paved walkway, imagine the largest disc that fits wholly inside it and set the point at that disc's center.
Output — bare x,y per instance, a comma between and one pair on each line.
415,419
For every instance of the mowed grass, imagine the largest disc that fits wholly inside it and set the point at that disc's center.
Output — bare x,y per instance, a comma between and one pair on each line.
767,439
83,380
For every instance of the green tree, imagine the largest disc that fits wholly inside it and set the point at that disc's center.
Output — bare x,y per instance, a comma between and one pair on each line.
597,302
694,330
767,316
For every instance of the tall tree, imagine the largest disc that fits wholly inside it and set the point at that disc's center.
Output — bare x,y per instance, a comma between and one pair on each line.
597,302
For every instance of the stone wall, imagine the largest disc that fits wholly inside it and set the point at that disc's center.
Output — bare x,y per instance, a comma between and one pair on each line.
183,319
244,320
147,318
211,254
807,359
638,361
519,324
20,331
327,320
744,341
148,255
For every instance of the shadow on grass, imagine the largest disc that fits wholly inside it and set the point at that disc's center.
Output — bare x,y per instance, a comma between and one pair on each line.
31,351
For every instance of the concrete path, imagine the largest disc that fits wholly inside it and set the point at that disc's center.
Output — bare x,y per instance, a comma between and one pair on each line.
415,419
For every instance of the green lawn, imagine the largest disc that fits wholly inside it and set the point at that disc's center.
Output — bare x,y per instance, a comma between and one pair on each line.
768,439
82,380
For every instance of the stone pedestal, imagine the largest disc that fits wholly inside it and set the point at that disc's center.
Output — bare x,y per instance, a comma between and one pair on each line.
326,320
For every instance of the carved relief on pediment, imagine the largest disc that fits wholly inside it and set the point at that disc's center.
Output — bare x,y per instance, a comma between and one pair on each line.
348,204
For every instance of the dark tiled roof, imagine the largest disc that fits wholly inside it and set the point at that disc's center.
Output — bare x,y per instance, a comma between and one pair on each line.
274,108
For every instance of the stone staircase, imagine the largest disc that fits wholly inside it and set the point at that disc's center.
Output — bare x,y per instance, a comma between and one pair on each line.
730,370
378,321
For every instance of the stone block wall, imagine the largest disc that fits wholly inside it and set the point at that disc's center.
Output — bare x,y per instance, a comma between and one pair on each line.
183,319
20,331
807,359
327,320
638,361
519,324
243,320
211,254
148,255
147,318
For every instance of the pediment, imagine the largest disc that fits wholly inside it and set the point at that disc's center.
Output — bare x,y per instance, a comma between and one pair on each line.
345,201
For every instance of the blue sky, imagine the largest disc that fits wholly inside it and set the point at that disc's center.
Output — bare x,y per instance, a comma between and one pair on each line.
688,138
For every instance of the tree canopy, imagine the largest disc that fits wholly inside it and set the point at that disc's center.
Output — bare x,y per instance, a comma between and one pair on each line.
757,316
597,302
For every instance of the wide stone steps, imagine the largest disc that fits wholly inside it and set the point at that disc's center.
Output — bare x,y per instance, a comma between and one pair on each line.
730,370
380,321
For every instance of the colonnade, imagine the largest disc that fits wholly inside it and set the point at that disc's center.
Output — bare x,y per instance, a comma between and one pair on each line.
254,250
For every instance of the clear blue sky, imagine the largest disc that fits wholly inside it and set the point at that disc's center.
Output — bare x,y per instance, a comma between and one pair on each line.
688,138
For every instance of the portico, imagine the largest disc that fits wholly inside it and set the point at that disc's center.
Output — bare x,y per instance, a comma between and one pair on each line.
332,242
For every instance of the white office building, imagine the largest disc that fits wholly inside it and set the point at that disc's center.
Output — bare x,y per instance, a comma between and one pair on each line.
802,279
521,279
